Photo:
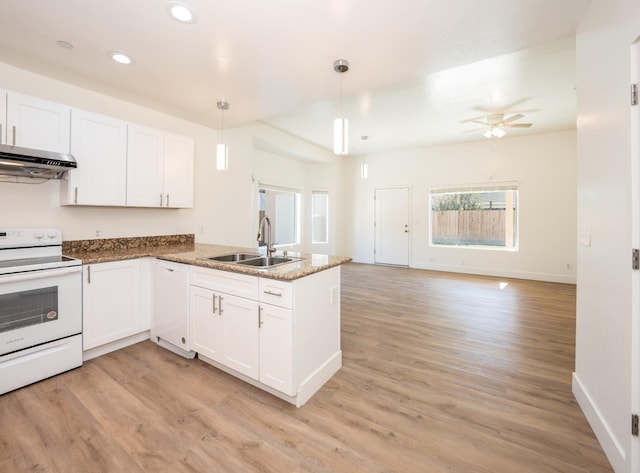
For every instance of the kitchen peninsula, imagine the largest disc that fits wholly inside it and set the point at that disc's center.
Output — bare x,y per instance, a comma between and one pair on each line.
277,328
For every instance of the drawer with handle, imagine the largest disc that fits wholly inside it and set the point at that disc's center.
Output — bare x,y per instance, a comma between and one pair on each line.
275,292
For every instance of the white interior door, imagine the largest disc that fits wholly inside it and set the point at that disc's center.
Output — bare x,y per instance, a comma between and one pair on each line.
392,226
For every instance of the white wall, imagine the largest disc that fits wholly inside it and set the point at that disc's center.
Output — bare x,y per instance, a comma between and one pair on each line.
223,210
606,333
544,165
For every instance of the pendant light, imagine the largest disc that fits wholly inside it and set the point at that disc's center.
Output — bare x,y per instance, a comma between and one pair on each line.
364,167
222,150
341,124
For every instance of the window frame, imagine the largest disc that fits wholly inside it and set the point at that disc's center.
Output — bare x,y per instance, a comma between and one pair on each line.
314,215
274,218
480,188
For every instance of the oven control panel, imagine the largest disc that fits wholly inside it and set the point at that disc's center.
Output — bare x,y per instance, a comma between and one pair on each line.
24,237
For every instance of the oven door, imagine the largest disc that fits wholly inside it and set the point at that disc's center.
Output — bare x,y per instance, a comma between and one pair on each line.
39,306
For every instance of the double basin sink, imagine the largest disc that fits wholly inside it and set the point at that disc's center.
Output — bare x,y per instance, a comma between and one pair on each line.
252,259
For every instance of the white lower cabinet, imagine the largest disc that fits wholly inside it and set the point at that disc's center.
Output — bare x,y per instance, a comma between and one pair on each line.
111,302
231,326
240,334
205,323
283,337
276,348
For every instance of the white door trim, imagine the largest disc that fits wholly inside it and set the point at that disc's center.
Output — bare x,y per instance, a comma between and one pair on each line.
635,242
390,259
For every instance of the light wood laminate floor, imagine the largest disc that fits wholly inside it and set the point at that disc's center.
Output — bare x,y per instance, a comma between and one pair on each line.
441,373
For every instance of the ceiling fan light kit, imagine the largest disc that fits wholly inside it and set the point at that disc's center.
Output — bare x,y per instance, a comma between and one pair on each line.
494,132
497,123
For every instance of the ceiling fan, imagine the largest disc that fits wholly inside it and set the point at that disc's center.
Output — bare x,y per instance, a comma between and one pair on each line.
496,123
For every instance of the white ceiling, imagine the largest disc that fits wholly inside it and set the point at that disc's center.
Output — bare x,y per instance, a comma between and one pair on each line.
419,68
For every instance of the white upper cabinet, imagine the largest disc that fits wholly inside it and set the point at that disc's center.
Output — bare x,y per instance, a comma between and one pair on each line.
145,153
99,145
159,169
178,171
36,123
3,116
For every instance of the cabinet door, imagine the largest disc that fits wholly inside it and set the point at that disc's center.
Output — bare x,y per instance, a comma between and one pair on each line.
36,123
276,348
171,303
99,145
145,151
3,116
178,171
206,324
111,302
240,334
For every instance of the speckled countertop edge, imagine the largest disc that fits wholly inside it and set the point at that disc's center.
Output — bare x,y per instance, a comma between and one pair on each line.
195,254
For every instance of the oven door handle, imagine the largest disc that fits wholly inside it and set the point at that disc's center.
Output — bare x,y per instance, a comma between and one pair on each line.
45,273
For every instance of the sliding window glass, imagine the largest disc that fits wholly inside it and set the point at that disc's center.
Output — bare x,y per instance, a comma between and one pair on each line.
478,217
282,207
319,217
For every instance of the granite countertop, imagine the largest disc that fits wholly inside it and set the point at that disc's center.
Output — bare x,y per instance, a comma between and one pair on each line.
187,252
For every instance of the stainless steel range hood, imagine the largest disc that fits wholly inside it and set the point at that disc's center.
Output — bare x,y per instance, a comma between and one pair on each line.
27,162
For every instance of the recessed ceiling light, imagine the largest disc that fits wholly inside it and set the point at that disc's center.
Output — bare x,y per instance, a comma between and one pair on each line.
180,11
121,58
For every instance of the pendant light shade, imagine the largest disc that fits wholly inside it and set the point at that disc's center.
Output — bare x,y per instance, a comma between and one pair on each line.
341,124
341,136
364,167
222,157
222,150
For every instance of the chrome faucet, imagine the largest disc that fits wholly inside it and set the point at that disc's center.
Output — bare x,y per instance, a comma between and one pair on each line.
261,236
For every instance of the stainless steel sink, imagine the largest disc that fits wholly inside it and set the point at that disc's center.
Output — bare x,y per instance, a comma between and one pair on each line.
252,259
233,257
267,261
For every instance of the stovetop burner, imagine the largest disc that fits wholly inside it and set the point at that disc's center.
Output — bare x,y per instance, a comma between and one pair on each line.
32,249
37,264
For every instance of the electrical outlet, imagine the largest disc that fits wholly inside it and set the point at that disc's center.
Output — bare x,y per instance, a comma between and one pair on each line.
97,233
568,265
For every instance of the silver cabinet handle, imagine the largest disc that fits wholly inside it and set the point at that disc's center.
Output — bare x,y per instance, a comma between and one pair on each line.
214,303
220,311
14,135
271,293
88,274
167,200
160,200
75,195
259,316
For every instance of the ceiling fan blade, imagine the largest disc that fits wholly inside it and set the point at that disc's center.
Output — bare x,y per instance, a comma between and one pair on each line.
513,118
479,122
475,120
518,125
475,130
498,108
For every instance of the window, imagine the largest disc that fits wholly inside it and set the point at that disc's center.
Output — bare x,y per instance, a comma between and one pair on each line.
319,217
282,207
485,217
